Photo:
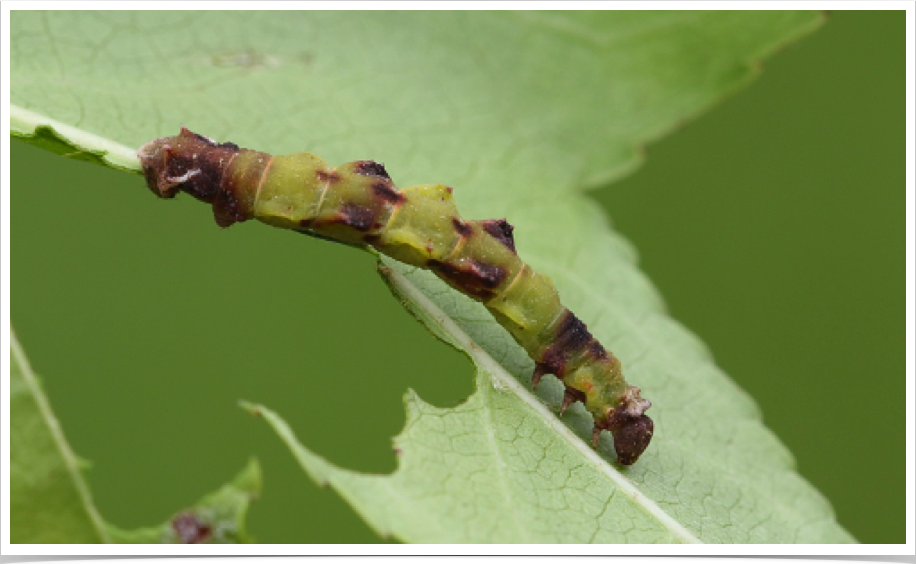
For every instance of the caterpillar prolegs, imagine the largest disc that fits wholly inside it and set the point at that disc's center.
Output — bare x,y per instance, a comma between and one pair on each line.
357,203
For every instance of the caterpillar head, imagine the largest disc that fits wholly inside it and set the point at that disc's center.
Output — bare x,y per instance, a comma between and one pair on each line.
631,437
631,427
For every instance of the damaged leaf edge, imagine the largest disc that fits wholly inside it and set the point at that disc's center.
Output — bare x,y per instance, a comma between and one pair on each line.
489,372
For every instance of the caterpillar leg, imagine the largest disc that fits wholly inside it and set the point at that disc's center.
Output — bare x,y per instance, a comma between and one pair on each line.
540,370
570,396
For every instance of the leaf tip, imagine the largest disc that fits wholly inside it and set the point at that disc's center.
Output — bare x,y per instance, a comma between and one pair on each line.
251,408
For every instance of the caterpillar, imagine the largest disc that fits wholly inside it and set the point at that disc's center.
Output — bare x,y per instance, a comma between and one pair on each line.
357,203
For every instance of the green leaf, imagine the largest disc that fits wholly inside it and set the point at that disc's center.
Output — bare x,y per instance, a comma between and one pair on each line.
50,501
499,468
502,468
218,518
69,141
519,111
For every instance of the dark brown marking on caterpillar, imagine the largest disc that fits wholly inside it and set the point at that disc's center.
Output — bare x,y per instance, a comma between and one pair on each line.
570,338
462,227
202,138
388,193
329,176
358,217
500,230
474,278
227,145
230,205
372,168
301,192
190,529
596,350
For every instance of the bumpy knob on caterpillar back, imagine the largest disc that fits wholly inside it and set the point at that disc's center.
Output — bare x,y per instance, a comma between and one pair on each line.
357,203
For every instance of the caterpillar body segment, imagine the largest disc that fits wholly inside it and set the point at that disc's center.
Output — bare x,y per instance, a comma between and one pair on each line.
357,203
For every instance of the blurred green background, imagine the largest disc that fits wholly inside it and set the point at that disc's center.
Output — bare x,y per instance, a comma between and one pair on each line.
772,225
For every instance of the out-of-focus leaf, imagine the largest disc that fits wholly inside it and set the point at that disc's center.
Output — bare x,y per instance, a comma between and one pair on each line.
49,499
218,518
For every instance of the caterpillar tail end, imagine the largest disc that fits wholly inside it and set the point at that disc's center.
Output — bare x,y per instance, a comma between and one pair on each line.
169,163
631,427
204,169
154,158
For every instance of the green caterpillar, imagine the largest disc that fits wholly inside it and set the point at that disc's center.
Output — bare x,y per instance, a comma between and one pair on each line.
357,203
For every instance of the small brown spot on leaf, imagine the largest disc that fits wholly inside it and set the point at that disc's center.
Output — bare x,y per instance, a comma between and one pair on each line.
190,529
